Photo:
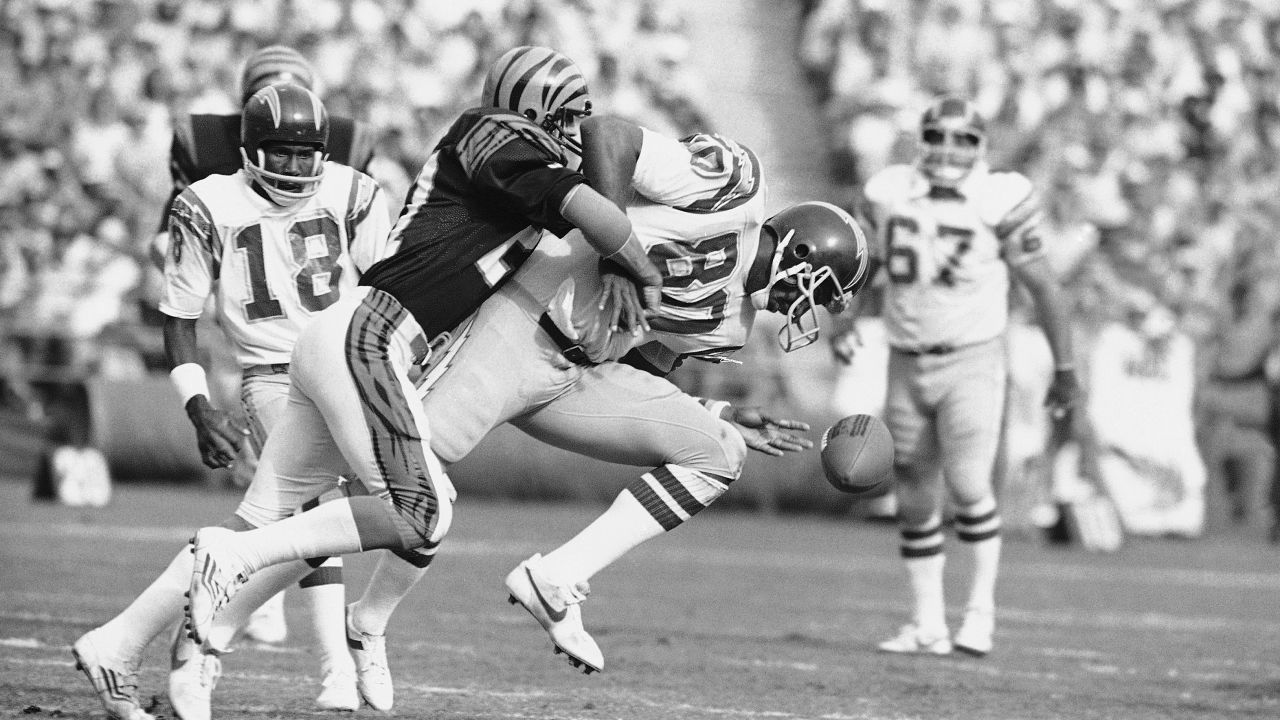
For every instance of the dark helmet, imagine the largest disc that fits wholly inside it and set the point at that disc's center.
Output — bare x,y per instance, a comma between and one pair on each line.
283,113
823,254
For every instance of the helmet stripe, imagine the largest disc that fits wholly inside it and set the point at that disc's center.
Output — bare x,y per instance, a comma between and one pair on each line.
517,90
273,102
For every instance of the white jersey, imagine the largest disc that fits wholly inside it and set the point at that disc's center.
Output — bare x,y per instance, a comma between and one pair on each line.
947,254
698,211
270,268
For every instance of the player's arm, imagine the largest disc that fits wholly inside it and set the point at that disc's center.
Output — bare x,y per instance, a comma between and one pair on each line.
1037,277
188,282
610,150
609,231
218,434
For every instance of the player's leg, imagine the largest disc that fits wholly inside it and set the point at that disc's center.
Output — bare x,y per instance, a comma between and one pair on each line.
355,355
265,395
969,422
918,490
618,414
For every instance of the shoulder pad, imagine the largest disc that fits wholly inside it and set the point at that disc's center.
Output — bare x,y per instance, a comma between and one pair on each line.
893,183
492,130
1006,200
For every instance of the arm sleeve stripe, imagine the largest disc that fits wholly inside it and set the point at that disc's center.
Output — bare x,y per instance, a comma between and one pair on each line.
193,215
743,180
1026,210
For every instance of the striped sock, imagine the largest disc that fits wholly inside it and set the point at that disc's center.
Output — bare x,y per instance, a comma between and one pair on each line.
922,553
978,527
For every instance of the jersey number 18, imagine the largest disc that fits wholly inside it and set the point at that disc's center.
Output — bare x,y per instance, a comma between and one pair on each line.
316,278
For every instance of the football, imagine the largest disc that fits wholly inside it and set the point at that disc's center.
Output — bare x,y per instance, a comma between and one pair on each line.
857,455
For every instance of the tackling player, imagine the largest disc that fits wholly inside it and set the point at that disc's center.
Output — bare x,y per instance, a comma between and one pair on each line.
950,232
538,355
274,243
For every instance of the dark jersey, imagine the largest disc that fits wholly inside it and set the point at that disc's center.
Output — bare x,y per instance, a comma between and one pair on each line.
205,145
475,212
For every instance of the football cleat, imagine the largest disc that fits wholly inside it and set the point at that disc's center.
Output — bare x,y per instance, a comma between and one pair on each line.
115,682
267,623
193,675
910,640
373,674
974,637
215,577
556,608
338,692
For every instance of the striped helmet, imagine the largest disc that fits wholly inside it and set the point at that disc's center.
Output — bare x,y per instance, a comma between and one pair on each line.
544,86
273,64
283,113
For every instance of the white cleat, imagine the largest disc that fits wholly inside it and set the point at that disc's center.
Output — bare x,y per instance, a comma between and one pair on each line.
556,608
974,637
910,640
114,681
373,674
338,692
215,578
267,624
193,675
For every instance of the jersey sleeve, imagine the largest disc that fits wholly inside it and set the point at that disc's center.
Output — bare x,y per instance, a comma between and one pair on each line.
1016,216
878,195
368,222
191,264
702,173
516,165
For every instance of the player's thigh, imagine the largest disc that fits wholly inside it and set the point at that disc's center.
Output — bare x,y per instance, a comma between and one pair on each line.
352,362
264,397
299,461
506,366
909,419
969,416
622,415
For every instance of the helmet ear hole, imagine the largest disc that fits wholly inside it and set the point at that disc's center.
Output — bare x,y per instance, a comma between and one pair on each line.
802,250
531,113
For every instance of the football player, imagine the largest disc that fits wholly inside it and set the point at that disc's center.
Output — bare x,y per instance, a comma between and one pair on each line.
275,243
541,354
950,232
209,144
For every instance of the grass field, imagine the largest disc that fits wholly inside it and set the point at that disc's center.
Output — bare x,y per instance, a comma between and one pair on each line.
731,616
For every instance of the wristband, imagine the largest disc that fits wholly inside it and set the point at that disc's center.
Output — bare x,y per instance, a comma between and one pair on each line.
715,407
190,381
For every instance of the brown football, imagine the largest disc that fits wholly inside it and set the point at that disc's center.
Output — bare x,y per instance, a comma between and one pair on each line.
857,455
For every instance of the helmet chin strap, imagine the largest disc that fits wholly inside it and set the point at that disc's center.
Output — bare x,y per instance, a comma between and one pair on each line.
309,184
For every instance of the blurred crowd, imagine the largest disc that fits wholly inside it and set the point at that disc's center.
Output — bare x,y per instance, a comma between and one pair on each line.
92,85
1151,129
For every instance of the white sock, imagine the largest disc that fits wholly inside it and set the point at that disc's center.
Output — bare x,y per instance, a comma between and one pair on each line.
986,564
925,574
391,581
157,608
326,606
324,531
623,526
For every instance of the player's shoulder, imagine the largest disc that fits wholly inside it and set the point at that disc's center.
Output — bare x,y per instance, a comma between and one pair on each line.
895,182
699,173
1004,197
202,133
351,141
479,132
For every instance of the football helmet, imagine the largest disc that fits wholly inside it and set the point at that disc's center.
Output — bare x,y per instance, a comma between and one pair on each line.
544,86
821,259
273,64
953,138
283,113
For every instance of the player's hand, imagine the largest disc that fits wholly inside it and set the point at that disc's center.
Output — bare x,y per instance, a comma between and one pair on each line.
768,434
1063,393
218,434
620,302
844,345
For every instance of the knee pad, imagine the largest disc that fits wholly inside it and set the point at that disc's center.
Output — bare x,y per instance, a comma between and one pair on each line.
673,494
